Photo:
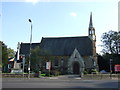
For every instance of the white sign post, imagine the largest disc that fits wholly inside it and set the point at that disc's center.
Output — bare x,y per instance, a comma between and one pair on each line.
48,66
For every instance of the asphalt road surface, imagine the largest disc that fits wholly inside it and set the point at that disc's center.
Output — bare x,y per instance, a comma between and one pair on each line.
57,83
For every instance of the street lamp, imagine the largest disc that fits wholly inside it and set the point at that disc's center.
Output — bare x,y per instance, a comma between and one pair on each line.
30,48
111,66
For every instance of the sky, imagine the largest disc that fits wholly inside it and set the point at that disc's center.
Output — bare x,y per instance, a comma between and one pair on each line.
50,18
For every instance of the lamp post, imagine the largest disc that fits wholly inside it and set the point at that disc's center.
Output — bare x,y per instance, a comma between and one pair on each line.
111,67
30,48
23,61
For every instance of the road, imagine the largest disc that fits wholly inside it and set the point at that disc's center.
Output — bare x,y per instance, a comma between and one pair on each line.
55,82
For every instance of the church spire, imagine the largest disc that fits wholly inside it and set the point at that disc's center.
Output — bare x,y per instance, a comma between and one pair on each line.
91,23
91,29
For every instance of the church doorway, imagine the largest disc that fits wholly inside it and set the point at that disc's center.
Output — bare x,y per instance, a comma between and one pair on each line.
76,68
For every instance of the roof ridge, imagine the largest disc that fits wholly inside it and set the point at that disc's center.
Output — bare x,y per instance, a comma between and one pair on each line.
29,43
66,37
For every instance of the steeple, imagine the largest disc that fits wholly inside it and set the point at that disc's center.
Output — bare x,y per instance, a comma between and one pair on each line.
90,24
92,35
91,29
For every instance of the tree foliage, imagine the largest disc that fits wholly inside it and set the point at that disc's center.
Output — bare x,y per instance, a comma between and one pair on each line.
103,63
111,41
11,52
4,54
4,57
38,58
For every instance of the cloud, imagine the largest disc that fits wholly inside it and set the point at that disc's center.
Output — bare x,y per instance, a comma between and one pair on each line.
74,14
32,1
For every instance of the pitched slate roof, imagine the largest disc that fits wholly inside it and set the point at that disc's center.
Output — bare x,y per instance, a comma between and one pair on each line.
64,46
25,48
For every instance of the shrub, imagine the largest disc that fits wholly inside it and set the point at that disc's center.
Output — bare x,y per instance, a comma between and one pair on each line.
94,71
46,72
85,72
55,72
42,74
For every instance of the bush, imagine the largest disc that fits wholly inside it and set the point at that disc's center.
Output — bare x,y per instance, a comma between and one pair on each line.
94,71
46,72
42,74
85,72
55,72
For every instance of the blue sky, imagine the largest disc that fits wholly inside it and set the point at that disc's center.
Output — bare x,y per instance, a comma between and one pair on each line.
55,19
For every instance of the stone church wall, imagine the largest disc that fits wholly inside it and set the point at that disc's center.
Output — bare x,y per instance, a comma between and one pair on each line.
63,63
89,63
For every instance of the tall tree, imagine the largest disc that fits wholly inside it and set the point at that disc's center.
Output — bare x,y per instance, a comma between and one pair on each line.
35,59
4,54
4,57
111,41
103,62
38,58
11,52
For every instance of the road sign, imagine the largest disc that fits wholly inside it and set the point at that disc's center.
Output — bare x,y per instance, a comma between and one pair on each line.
48,65
117,68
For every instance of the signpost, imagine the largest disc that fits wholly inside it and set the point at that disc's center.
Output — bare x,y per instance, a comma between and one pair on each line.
48,66
111,66
117,68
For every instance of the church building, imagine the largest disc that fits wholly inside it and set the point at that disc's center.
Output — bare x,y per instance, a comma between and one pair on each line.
71,55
